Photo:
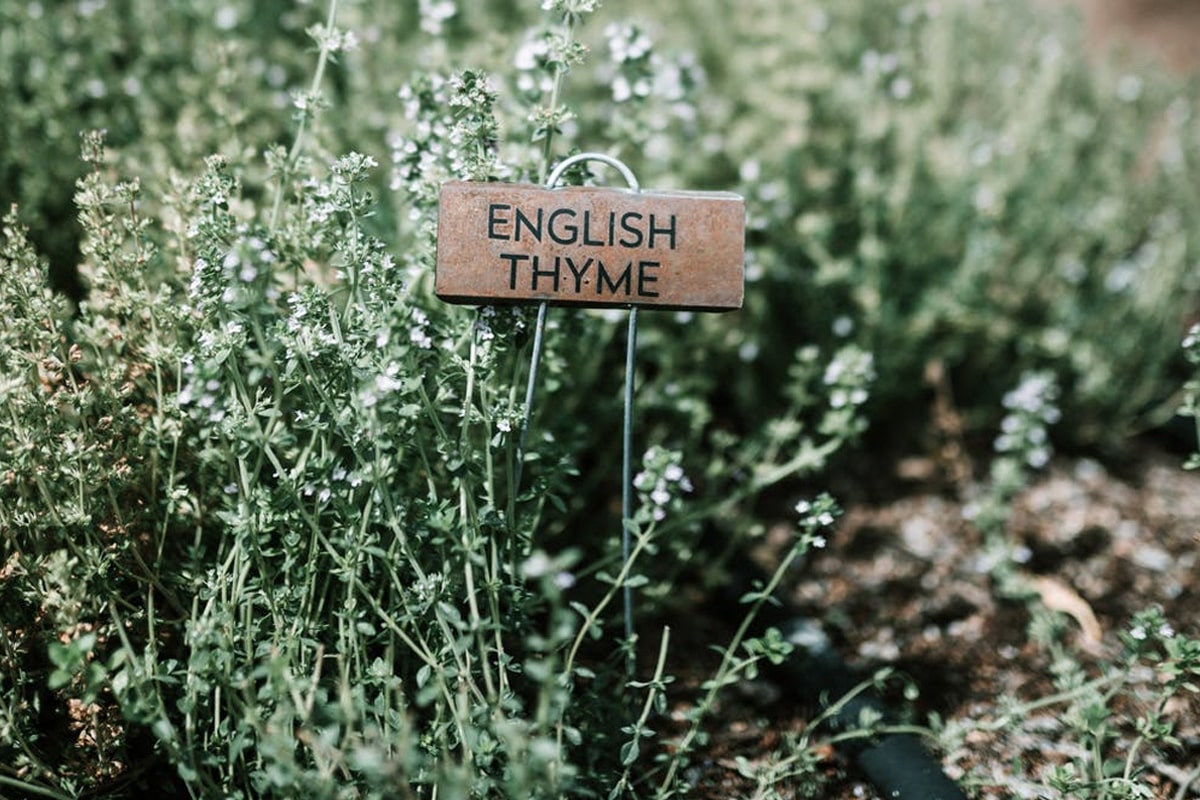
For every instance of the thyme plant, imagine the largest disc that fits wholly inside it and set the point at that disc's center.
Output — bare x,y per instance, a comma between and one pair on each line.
277,479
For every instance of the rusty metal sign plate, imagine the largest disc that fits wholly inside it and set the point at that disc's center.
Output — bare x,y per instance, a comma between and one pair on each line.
590,246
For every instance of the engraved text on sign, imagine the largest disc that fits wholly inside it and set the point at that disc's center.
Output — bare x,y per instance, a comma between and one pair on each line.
503,242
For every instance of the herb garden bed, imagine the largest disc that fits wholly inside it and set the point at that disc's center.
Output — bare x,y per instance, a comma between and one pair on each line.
277,522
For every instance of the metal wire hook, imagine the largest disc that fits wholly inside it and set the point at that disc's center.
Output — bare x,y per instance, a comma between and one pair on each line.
604,158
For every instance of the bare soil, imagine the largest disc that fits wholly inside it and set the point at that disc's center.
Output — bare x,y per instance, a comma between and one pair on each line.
904,583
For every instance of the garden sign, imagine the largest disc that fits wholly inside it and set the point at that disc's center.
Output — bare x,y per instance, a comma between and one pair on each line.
589,246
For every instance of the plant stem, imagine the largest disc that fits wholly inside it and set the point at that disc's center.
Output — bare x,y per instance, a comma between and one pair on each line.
298,142
726,669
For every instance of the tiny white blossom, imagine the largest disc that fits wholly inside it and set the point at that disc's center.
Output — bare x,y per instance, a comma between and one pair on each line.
1129,88
537,565
227,18
420,338
901,88
434,14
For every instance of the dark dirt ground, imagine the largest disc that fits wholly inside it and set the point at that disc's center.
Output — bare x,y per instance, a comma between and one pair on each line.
902,581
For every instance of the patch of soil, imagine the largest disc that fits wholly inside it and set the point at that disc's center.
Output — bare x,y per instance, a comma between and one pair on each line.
906,583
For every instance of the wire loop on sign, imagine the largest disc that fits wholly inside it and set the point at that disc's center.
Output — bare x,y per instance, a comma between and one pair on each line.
571,161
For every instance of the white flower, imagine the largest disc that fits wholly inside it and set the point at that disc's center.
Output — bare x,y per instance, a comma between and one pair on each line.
420,338
227,18
537,565
386,383
621,90
1129,88
434,13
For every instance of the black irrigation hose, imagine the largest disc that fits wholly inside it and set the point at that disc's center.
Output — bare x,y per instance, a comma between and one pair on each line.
896,763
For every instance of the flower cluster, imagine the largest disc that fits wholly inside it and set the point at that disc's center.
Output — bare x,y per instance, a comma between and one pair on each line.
571,10
333,40
846,383
452,133
1031,408
534,78
235,277
654,93
848,375
630,49
815,515
475,133
435,14
661,483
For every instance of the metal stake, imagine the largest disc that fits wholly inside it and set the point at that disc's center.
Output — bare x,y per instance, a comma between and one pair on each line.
627,437
627,482
539,331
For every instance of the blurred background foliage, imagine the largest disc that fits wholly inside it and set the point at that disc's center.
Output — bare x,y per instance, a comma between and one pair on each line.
952,183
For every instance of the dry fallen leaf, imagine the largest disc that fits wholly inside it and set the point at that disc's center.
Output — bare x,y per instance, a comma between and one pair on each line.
1058,596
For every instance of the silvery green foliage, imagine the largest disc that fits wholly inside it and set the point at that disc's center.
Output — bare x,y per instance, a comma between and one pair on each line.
278,476
960,183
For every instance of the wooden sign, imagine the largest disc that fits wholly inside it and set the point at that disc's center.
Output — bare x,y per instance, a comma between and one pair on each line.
589,246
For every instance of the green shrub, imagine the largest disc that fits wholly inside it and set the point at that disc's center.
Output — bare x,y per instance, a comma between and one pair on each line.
278,477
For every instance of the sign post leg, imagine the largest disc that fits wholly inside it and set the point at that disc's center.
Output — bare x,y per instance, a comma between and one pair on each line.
627,523
539,331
